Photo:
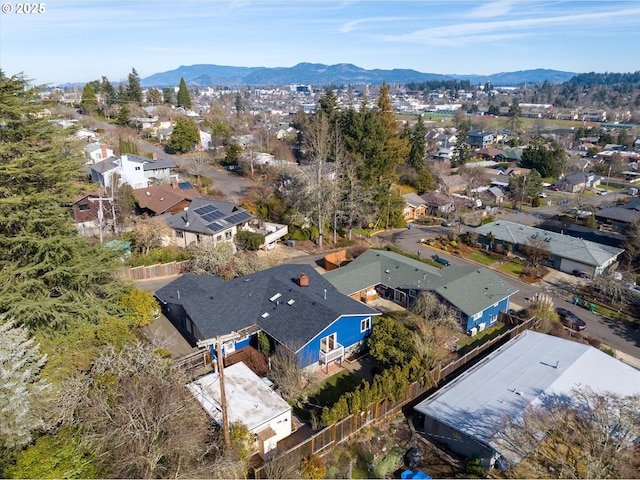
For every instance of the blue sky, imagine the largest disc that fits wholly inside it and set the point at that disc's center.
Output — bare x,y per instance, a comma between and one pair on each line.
75,41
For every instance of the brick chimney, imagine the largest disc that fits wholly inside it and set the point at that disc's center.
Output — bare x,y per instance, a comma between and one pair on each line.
154,156
303,280
104,150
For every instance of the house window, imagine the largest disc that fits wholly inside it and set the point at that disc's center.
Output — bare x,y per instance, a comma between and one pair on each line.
179,234
227,235
137,168
219,238
476,316
365,324
83,207
329,343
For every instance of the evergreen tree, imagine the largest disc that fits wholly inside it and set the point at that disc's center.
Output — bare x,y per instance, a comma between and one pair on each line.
239,105
20,362
547,160
49,276
416,140
184,99
109,94
184,136
462,150
89,101
167,95
123,115
133,91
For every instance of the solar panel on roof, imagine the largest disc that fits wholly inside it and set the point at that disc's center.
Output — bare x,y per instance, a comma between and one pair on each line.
239,217
216,226
210,217
185,185
205,209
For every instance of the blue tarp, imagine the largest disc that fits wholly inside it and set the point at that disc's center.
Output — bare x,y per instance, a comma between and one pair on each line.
416,474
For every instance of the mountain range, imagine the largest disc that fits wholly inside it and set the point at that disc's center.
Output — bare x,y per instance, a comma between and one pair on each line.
340,74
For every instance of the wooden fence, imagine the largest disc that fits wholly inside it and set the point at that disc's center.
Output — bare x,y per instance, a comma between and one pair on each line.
342,430
154,271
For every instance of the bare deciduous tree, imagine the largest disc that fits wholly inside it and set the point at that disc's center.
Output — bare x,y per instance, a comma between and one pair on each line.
537,250
586,435
150,233
288,375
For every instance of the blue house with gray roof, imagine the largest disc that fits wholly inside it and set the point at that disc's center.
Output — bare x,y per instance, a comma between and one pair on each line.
566,253
293,304
477,294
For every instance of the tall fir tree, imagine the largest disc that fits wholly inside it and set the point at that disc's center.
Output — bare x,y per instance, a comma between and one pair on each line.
184,136
133,92
89,100
184,99
109,94
50,277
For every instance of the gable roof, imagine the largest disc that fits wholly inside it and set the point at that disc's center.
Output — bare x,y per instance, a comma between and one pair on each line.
147,163
160,198
106,165
469,289
209,216
519,374
294,317
565,246
413,199
436,199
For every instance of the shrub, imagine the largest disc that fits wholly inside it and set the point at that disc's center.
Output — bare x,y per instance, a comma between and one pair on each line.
249,240
313,467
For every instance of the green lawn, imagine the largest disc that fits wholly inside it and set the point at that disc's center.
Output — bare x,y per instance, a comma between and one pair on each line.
468,343
513,267
330,390
484,258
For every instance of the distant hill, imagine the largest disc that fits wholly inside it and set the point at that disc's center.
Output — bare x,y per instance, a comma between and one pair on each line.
340,74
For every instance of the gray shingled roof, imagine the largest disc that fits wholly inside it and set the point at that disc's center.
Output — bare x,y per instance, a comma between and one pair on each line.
564,246
469,289
105,165
217,307
190,221
148,164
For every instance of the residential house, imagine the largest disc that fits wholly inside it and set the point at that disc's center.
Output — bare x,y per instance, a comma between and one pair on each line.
578,182
466,414
478,139
436,203
96,151
250,401
620,216
566,253
136,171
204,140
293,304
91,214
477,294
414,206
452,183
165,198
207,221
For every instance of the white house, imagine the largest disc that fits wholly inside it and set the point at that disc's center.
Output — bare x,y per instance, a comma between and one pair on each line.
249,401
139,172
96,152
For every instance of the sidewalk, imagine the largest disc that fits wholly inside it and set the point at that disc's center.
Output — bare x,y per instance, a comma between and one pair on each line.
628,359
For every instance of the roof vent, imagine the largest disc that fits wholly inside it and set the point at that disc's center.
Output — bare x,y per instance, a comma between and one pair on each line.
265,315
291,302
275,297
303,280
148,194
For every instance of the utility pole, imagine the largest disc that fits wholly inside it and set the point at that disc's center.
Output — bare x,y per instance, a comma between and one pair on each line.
101,210
223,395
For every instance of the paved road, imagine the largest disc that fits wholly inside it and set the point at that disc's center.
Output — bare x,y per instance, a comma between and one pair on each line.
232,185
617,334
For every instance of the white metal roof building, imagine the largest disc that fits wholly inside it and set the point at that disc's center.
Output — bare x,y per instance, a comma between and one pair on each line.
467,413
249,401
567,253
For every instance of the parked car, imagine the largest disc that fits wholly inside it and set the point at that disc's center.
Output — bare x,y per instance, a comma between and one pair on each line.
580,274
543,195
441,261
571,320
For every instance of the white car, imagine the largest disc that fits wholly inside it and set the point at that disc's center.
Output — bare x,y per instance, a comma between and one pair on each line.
543,195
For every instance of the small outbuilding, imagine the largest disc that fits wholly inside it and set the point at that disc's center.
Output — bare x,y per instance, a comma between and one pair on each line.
249,401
